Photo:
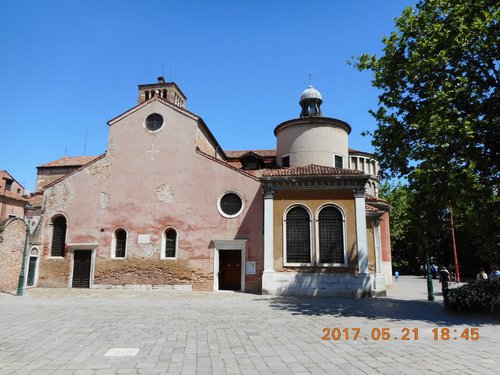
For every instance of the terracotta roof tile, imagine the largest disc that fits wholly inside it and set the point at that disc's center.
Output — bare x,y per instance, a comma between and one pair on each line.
371,198
240,153
36,200
358,152
310,170
69,161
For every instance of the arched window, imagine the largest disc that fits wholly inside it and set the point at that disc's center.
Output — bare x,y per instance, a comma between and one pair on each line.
169,248
58,236
331,236
298,236
120,243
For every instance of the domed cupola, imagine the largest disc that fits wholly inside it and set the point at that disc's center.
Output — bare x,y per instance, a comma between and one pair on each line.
312,138
310,101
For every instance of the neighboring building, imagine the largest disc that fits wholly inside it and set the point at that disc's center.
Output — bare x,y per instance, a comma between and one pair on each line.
12,200
166,206
56,169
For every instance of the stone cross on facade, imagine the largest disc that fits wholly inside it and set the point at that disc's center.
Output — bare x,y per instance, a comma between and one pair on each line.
153,151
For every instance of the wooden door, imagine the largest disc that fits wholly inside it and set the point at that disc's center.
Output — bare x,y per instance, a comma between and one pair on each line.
230,270
81,269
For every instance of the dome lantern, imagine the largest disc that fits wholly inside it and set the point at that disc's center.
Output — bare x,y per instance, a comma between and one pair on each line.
310,101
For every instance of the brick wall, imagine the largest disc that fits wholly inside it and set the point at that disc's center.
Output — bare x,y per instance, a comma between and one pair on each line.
12,241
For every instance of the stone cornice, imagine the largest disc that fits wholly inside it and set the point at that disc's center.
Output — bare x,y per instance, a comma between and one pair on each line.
314,182
323,121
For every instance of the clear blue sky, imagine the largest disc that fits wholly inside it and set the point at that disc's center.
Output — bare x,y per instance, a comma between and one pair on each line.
67,67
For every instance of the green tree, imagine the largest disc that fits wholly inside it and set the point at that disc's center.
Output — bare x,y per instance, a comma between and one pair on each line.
438,122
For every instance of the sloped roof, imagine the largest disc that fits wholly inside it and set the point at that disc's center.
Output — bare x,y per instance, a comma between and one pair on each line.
35,200
310,170
261,153
273,153
371,198
7,175
69,161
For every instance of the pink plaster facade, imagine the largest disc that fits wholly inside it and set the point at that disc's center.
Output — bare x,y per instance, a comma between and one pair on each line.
147,182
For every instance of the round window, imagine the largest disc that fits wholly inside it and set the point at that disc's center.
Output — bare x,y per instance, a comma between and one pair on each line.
230,204
154,122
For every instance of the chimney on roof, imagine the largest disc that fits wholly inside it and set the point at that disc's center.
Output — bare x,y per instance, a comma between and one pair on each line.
168,91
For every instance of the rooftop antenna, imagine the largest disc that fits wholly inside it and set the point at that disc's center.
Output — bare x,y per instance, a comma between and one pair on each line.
65,151
85,144
310,78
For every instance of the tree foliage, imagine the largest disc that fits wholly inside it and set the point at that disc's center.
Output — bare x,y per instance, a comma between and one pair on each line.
438,123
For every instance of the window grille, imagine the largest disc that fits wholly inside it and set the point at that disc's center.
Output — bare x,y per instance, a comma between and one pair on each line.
331,236
298,238
58,237
231,204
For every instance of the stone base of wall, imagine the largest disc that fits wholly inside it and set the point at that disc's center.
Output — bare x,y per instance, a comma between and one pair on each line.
182,287
313,284
387,271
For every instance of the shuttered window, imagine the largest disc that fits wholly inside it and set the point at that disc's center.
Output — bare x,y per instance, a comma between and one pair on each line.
58,236
331,236
298,236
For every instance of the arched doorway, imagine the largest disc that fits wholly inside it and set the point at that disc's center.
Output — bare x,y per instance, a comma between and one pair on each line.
32,267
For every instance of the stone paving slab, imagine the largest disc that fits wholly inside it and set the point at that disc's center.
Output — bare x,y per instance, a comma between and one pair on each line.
68,331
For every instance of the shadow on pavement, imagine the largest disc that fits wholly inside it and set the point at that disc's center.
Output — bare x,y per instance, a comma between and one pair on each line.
379,308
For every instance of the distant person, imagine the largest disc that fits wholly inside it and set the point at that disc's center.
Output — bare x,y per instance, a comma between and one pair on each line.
444,278
396,275
495,273
481,275
434,271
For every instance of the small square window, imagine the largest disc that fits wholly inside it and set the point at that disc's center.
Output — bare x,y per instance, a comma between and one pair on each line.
285,161
338,161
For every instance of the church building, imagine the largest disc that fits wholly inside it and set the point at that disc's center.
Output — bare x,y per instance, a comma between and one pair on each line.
167,207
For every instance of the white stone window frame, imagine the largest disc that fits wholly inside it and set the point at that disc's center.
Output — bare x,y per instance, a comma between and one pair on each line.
344,236
283,157
339,155
311,239
51,235
242,204
113,243
157,130
163,243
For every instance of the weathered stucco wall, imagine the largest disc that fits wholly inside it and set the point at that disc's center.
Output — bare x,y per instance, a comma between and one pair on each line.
146,183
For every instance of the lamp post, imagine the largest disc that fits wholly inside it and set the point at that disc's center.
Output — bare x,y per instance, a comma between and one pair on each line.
20,285
430,288
457,269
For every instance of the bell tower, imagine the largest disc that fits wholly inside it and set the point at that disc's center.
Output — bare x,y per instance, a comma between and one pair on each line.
165,90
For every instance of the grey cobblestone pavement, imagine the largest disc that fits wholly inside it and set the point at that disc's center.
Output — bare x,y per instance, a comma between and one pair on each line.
67,331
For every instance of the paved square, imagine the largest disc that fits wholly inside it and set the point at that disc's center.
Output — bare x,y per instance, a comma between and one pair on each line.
68,331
